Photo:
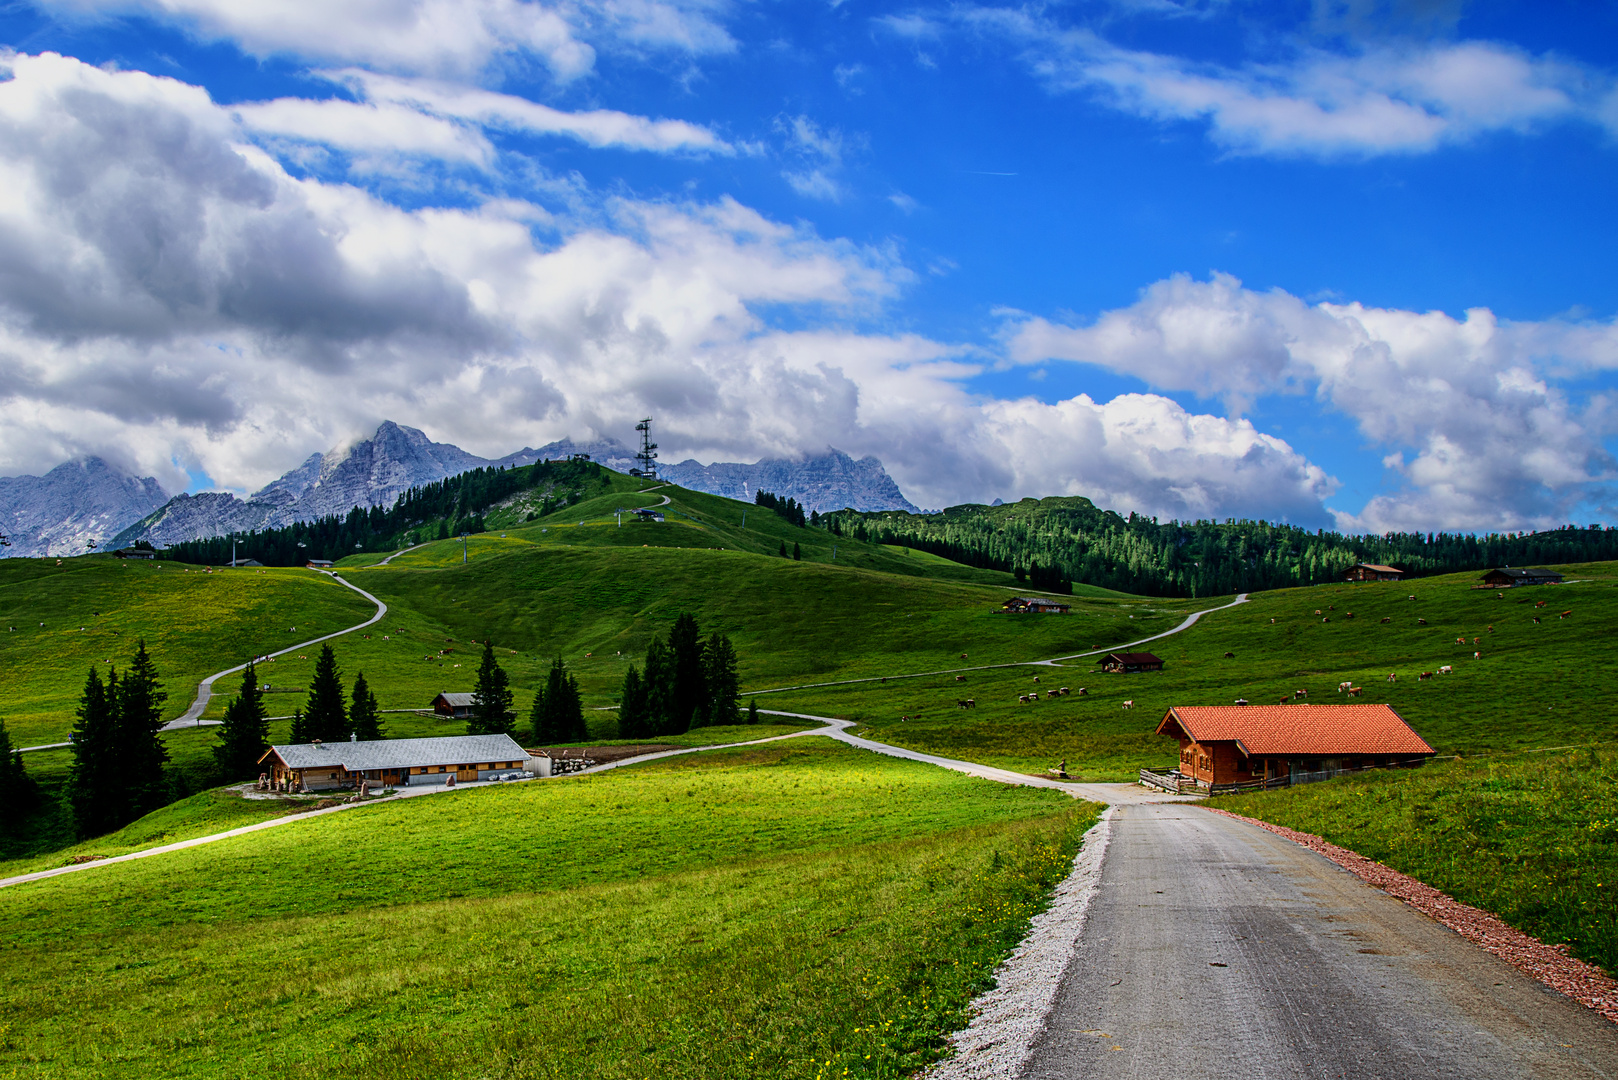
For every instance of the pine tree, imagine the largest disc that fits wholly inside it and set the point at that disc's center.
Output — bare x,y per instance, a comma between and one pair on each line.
658,681
300,728
688,692
138,714
752,711
632,717
244,736
95,782
18,793
364,715
324,717
493,704
721,680
797,552
783,549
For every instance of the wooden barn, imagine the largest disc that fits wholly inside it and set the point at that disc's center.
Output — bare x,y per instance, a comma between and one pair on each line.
1127,663
457,705
1286,744
1035,605
1508,577
1372,572
394,762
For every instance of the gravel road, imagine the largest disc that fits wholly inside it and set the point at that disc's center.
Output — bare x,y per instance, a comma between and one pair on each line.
1216,949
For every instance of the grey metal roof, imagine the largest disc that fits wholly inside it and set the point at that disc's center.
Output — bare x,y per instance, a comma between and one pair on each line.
464,700
1525,572
402,753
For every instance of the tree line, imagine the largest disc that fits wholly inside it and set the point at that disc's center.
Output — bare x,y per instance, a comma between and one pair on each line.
434,511
789,509
686,682
1058,540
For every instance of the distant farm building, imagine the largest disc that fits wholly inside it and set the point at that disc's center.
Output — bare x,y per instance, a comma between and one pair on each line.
1278,745
647,514
1036,605
1127,663
456,705
319,564
135,553
1508,577
244,562
1372,572
393,762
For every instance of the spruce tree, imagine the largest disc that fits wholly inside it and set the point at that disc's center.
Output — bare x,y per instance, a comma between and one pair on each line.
783,549
493,704
752,710
558,712
721,680
17,791
658,682
632,718
797,552
364,715
138,714
244,736
324,717
688,692
94,780
300,728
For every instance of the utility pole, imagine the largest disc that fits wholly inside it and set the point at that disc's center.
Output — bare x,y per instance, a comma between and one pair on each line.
463,549
233,551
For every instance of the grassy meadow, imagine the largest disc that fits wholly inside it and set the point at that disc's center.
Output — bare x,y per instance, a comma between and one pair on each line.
1534,685
1531,837
800,909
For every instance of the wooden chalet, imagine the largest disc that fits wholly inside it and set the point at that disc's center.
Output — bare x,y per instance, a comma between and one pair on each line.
319,564
1509,577
394,762
1127,663
1372,572
1242,744
1036,605
456,705
135,553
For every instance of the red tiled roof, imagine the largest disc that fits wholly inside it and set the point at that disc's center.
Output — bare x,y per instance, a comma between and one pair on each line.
1298,729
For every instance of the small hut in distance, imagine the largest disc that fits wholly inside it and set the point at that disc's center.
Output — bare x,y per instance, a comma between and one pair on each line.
1372,572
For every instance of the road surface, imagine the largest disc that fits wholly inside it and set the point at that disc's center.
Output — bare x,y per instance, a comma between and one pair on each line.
1213,948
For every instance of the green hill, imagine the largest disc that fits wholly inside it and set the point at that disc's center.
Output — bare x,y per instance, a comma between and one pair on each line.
778,911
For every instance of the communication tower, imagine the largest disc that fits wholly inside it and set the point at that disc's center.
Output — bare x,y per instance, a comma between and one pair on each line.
648,450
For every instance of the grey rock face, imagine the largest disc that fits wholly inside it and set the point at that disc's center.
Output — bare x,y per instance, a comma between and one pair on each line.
829,481
78,501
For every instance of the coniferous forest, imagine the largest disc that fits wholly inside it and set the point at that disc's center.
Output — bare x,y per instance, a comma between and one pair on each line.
452,506
1054,541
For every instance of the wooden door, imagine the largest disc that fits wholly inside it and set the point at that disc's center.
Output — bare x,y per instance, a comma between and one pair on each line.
464,776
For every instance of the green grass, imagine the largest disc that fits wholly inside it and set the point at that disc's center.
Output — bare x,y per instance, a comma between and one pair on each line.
788,910
1532,838
194,623
1534,685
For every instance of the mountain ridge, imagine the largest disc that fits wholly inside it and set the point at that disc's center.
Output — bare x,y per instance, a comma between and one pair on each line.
76,502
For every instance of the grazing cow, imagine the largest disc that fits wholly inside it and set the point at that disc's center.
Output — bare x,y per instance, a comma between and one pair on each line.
1022,699
1230,656
1083,692
1036,678
1355,691
1130,704
971,703
1052,693
1536,620
884,678
1331,607
1541,604
1477,641
1284,701
960,678
1460,641
960,703
1343,686
1489,628
963,656
1445,670
1062,690
1300,693
1348,615
1272,620
1424,676
1565,614
1393,676
1387,618
1421,622
1326,619
1477,656
1317,611
1412,598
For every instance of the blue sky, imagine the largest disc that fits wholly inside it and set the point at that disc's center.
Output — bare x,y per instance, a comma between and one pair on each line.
1347,264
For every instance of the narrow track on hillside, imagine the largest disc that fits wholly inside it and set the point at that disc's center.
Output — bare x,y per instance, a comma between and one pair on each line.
192,717
1055,661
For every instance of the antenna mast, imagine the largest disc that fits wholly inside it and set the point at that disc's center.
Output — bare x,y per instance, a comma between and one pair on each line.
648,450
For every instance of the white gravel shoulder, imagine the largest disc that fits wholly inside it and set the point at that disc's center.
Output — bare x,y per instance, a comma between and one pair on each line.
1008,1019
